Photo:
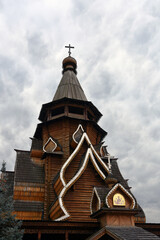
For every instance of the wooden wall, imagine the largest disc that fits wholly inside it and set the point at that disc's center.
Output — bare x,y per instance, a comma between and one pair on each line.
29,193
62,130
78,198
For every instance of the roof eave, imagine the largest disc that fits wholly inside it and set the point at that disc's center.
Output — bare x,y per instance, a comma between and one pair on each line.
38,131
53,103
114,210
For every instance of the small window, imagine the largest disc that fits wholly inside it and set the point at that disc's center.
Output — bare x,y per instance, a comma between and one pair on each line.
76,110
89,115
57,111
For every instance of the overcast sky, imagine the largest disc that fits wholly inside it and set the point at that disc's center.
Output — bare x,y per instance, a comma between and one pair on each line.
117,47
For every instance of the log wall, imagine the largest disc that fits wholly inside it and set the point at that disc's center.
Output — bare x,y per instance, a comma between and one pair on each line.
29,193
62,130
77,200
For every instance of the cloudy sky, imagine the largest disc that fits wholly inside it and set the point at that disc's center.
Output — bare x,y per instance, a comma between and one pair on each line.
117,47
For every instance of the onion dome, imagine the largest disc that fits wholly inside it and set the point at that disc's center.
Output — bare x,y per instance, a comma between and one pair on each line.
69,63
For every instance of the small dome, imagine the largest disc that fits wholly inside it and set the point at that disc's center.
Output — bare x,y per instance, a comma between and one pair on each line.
69,63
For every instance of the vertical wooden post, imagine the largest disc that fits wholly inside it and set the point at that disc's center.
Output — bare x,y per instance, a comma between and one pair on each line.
85,114
39,235
66,235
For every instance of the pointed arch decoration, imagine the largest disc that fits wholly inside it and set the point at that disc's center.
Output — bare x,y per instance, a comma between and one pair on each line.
118,185
95,193
50,139
77,133
92,155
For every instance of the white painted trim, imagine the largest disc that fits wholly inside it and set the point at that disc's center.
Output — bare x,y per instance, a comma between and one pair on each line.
99,200
122,188
69,184
50,139
92,200
99,158
109,161
66,214
84,137
73,136
89,155
91,152
101,151
75,178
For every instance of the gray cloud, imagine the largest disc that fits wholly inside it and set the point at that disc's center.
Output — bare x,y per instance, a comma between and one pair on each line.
38,50
118,53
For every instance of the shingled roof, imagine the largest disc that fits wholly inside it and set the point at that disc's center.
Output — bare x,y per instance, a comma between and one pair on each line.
131,233
69,87
27,206
117,174
102,192
26,170
123,233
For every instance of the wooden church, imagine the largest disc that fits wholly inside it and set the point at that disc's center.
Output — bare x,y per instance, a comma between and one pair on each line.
68,186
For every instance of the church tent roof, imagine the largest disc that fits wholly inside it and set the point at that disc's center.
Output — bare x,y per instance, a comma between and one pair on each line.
69,87
123,233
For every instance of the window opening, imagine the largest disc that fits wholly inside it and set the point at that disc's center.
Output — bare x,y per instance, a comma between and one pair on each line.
89,115
57,111
76,110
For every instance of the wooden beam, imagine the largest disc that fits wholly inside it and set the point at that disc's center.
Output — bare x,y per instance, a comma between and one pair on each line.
66,235
39,235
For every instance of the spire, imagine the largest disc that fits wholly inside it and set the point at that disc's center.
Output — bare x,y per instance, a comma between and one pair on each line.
69,86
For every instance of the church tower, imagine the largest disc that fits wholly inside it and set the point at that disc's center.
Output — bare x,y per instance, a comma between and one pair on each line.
65,121
68,176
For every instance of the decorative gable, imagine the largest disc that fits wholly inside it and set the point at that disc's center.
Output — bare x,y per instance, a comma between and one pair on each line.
94,157
65,182
118,196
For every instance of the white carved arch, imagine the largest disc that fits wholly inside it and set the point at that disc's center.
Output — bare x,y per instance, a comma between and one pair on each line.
69,160
50,139
99,200
90,154
78,129
118,185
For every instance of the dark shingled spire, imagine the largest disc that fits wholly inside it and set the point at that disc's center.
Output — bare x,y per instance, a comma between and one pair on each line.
69,86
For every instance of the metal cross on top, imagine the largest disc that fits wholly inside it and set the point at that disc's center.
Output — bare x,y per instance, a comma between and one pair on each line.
69,49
